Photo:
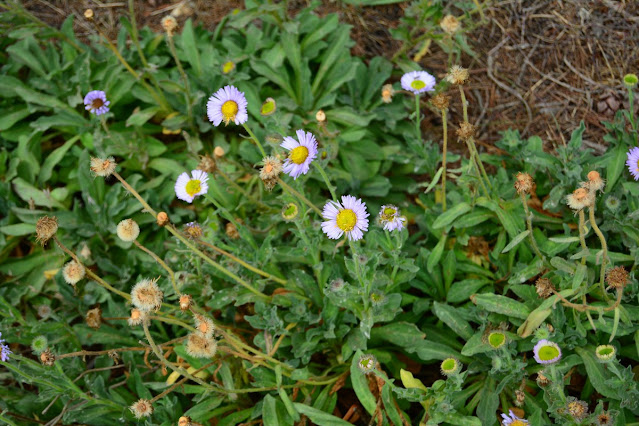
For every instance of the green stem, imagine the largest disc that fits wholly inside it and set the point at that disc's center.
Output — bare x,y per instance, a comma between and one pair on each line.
187,86
242,190
582,237
230,218
481,171
294,193
531,237
257,141
326,180
444,151
162,263
418,118
604,249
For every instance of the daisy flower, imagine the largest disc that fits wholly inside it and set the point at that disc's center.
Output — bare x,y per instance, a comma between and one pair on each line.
300,153
418,82
227,104
348,218
390,218
96,102
4,351
547,352
633,162
188,187
512,420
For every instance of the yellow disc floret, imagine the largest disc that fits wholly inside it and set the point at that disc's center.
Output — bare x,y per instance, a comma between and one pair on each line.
418,84
229,111
298,155
518,423
346,220
193,187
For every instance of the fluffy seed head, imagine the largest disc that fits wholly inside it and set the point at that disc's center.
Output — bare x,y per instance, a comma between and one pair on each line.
186,301
169,23
207,164
146,295
523,183
204,325
450,24
44,311
103,166
605,353
137,316
199,346
162,219
544,287
617,277
271,170
141,408
94,318
128,230
46,229
440,101
231,231
542,380
578,200
457,75
466,131
73,272
387,93
47,358
576,408
184,421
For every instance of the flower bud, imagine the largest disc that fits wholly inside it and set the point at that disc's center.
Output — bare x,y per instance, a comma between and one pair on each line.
367,363
387,93
268,107
186,301
162,219
218,152
605,353
128,230
450,367
630,80
88,14
290,211
497,339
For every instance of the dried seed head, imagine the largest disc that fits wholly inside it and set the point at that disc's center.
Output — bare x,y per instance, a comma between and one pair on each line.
207,164
466,131
94,317
47,358
544,288
617,277
128,230
320,116
218,152
73,272
44,311
450,24
387,93
521,397
169,23
162,219
204,325
605,419
542,380
523,183
578,200
137,316
142,408
270,171
595,182
200,346
46,229
231,231
146,295
186,301
88,14
440,101
577,409
103,166
185,421
193,230
457,75
114,356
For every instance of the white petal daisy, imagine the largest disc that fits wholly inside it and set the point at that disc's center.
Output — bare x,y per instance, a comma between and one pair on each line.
227,104
389,217
418,82
188,187
347,217
300,153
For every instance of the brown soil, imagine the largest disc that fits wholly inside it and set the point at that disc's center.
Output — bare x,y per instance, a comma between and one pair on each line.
540,67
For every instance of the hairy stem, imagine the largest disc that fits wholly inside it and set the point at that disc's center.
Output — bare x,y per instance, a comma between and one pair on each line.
162,263
604,249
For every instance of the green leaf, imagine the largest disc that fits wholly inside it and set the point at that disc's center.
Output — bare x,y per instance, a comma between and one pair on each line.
450,215
189,46
402,334
138,118
9,117
501,305
460,291
596,372
488,403
616,164
18,229
332,54
515,241
360,385
318,417
26,191
54,158
452,318
562,240
512,224
436,254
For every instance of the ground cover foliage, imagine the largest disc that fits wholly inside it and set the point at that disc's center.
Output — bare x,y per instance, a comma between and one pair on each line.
503,287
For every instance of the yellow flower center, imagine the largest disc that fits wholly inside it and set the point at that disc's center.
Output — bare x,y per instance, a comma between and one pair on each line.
346,220
229,111
518,423
228,67
298,155
547,353
193,187
389,213
417,84
638,165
